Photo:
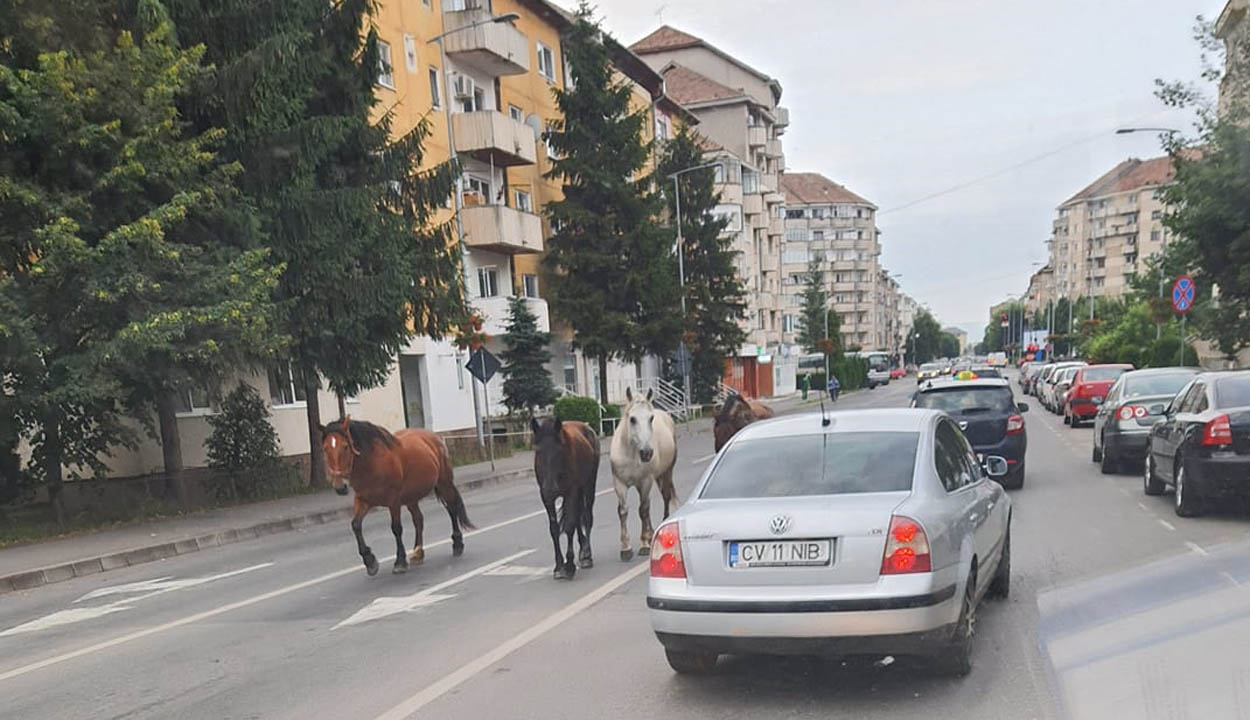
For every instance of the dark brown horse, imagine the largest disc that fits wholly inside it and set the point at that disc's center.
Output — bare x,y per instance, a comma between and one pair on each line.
391,471
737,413
566,463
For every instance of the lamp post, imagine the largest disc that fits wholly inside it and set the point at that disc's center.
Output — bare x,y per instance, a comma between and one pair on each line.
681,281
1169,132
457,198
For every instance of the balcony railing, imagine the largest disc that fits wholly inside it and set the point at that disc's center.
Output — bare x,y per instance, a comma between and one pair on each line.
769,181
783,116
493,48
730,193
753,204
502,229
495,138
772,147
776,226
757,135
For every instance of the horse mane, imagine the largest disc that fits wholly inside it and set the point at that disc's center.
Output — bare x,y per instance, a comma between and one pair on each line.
730,402
365,434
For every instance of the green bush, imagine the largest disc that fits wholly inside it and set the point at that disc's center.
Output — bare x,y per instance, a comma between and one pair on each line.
611,411
243,449
575,407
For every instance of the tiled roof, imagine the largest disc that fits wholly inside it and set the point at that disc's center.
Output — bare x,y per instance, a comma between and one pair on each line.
687,86
814,188
665,37
706,144
1128,175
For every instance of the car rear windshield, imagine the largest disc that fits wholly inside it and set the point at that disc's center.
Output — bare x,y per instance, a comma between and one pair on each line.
959,400
835,463
987,372
1156,384
1102,374
1232,391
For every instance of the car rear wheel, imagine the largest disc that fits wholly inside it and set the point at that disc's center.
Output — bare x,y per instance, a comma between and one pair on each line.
1151,485
955,659
1188,504
1096,454
1109,465
1000,587
691,663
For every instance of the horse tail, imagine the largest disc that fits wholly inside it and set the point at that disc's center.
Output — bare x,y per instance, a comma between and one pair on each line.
446,490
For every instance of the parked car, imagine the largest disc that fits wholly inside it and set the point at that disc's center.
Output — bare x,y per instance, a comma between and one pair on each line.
1047,391
897,373
1201,447
1029,379
988,415
1134,403
1024,373
1035,389
1089,388
845,537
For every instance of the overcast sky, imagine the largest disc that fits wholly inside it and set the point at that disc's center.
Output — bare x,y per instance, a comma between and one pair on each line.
900,99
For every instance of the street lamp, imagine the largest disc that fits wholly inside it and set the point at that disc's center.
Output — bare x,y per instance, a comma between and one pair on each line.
451,149
681,282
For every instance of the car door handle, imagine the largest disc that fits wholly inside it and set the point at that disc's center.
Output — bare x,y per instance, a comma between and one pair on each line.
973,517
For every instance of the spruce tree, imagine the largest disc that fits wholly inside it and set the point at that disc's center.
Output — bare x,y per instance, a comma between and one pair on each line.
610,263
527,382
811,327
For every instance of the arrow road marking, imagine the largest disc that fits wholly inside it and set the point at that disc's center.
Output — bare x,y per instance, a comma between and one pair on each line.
387,606
152,588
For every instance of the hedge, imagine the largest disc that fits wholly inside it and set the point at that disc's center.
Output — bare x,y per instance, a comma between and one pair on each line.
851,372
575,407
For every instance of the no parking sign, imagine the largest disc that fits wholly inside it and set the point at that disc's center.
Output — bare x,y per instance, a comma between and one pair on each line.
1183,294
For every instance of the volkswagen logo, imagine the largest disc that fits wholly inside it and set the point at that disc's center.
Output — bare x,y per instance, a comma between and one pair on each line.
779,524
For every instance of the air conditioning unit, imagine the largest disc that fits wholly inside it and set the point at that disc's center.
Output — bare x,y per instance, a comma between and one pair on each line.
464,86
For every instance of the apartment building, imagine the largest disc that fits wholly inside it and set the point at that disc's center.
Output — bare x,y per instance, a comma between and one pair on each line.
1041,292
738,112
835,228
1100,235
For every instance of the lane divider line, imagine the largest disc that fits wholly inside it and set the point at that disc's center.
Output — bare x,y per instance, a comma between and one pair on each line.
705,458
1195,547
1167,524
465,672
222,609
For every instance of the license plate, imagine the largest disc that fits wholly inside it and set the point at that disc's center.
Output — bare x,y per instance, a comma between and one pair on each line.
779,553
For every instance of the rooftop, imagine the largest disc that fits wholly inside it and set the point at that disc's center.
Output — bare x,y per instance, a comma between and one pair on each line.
667,38
816,189
689,87
1128,175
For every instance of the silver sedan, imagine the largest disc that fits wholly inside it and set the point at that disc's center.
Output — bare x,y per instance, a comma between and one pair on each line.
870,531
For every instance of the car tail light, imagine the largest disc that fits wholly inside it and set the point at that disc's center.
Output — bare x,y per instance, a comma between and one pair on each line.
906,548
1217,431
1128,412
1015,424
666,559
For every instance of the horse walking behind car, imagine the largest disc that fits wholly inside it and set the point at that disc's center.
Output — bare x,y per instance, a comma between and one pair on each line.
737,413
643,453
566,463
392,471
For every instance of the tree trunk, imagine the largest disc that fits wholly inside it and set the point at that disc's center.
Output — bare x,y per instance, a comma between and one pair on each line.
316,459
342,405
603,379
52,466
171,447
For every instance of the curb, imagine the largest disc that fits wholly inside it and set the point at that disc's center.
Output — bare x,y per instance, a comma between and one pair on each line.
28,579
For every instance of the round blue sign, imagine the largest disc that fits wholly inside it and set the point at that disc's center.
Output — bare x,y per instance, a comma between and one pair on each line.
1183,294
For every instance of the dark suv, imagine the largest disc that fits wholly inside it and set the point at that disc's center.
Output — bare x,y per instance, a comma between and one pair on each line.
988,414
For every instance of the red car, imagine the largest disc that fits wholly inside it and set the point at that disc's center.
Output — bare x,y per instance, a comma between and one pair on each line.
1089,389
897,373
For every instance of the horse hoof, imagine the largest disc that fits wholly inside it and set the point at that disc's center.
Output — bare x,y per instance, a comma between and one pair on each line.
586,563
627,555
644,552
570,570
559,574
418,556
399,569
457,550
372,568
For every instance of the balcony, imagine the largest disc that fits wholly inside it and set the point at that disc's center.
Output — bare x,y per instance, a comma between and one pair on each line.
765,301
753,204
501,229
768,181
776,226
730,193
493,137
772,147
492,49
774,198
770,261
757,135
494,312
783,116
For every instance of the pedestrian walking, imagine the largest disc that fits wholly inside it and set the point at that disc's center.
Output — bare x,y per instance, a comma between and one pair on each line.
833,387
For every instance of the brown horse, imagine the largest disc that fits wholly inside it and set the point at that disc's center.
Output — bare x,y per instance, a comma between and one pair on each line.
566,463
737,413
392,471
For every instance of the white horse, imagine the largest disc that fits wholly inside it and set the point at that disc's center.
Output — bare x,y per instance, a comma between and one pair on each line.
644,451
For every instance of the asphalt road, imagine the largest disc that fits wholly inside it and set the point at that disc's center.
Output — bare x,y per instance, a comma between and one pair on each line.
1117,606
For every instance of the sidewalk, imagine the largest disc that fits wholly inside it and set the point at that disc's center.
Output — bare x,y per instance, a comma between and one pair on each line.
28,566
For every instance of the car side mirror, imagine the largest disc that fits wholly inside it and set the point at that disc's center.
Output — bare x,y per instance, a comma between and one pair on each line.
995,466
1022,407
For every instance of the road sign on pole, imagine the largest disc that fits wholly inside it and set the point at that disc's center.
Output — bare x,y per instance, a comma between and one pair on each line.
483,365
1183,294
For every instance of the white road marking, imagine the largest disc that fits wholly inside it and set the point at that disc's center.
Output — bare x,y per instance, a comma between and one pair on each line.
1195,547
156,587
449,682
705,458
517,571
1143,506
1167,524
387,606
156,629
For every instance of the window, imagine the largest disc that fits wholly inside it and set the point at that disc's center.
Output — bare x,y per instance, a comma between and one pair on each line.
546,63
818,236
487,282
794,256
434,89
835,463
410,53
286,384
794,214
1156,214
949,457
788,323
386,76
1156,235
516,113
475,101
195,400
529,284
750,181
1232,391
476,190
521,200
796,235
661,129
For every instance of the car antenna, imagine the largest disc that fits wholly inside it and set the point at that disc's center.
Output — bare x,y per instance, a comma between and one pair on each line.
824,419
